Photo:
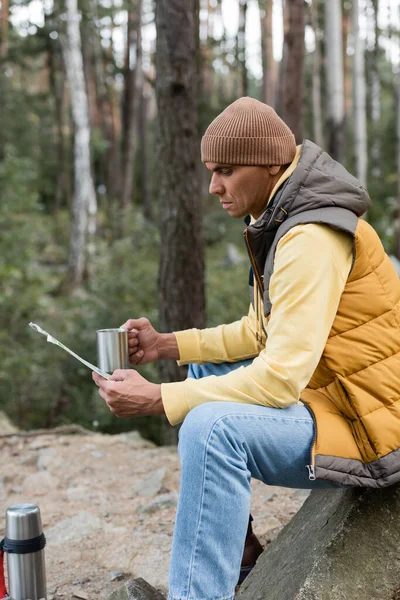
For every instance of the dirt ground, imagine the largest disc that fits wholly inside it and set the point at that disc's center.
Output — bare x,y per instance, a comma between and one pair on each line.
108,506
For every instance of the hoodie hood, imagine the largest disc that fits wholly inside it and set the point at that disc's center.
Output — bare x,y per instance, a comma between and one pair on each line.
319,190
319,181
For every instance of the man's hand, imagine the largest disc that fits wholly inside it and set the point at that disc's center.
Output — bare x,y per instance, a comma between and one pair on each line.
146,344
143,341
128,394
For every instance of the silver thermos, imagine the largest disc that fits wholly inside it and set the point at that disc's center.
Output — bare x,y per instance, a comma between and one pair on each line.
24,544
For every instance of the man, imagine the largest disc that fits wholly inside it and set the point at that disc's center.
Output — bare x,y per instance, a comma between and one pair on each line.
324,327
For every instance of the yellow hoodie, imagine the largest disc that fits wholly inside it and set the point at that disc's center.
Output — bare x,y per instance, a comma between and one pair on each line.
312,263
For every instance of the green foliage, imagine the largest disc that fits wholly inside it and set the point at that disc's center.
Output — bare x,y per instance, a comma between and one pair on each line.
382,174
40,384
22,281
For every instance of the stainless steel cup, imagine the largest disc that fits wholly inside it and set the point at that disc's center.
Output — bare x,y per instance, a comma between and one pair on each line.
112,349
26,570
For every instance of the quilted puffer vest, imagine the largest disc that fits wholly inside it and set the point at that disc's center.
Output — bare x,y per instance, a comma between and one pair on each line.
354,394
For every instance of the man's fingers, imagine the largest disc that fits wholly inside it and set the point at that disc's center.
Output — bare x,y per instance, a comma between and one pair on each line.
108,393
128,324
135,323
119,375
98,379
107,386
132,342
102,394
136,357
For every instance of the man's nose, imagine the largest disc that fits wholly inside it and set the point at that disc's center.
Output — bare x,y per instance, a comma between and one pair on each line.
215,186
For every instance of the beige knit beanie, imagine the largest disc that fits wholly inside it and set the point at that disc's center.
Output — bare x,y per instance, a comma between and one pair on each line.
248,132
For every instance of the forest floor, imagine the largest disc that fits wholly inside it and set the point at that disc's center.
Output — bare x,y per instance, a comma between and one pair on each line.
108,507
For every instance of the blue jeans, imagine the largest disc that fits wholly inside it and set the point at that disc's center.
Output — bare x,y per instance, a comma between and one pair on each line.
222,445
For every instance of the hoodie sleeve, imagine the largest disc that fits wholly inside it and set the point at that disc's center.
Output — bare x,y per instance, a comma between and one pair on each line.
225,343
311,266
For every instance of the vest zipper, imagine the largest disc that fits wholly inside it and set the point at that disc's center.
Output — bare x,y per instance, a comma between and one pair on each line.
253,264
311,466
311,472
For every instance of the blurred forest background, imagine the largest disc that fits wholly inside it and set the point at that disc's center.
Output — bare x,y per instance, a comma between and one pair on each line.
102,106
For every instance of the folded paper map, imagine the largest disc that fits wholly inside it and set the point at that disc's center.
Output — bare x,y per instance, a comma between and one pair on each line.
53,340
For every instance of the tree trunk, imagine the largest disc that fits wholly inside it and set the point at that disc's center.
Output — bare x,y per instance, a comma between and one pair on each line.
397,231
293,74
241,48
105,100
88,70
316,79
4,80
283,62
375,153
182,247
144,160
347,70
269,67
360,116
207,55
84,193
335,78
4,29
57,87
133,79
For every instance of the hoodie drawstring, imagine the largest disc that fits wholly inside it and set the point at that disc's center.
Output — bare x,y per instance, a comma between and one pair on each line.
259,313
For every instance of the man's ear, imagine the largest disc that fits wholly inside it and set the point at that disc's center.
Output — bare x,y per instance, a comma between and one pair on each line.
274,169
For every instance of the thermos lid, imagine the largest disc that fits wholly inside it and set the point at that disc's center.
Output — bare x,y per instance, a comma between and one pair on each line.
23,522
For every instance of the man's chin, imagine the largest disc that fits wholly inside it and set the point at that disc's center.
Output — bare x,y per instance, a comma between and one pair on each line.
233,212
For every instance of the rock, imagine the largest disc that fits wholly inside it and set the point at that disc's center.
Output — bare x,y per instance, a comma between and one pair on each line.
120,594
269,497
5,424
342,544
38,443
268,523
9,478
74,528
163,501
81,595
16,489
47,456
152,562
117,551
97,454
29,460
136,589
118,575
152,484
133,438
81,581
40,483
301,494
80,492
